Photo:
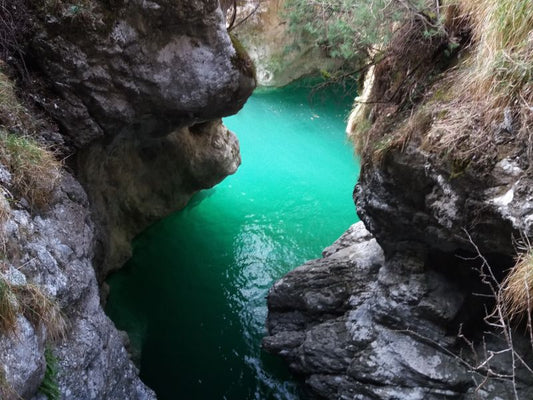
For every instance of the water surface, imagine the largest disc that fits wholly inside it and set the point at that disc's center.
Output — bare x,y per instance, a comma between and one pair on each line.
192,297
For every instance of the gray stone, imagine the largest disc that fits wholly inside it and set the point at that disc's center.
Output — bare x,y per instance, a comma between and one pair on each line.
390,333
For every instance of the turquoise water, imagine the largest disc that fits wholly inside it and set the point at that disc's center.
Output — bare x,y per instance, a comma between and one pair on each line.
193,295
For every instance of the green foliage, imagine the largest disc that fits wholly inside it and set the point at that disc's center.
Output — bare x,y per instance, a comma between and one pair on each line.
348,29
49,386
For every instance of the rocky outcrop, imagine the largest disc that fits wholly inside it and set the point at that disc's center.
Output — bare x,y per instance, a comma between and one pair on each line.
53,250
139,93
141,67
138,90
136,180
358,326
403,310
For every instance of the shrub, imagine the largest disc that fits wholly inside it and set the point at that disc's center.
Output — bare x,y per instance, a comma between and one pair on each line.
349,29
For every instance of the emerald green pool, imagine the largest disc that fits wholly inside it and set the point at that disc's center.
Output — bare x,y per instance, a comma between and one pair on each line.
192,297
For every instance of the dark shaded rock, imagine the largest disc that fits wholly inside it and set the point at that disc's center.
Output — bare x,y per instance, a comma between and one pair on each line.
411,201
143,67
392,334
136,181
138,95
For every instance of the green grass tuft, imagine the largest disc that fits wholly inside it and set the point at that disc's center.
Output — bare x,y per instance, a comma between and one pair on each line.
49,386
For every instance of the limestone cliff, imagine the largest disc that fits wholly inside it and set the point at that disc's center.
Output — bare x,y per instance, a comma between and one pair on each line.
131,94
135,93
404,310
280,56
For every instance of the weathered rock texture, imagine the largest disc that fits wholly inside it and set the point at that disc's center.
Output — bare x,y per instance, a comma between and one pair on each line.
398,311
139,95
357,326
138,89
54,251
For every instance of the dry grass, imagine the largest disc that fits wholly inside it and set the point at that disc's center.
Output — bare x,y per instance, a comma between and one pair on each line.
8,308
34,304
493,87
13,115
488,97
35,171
39,309
516,295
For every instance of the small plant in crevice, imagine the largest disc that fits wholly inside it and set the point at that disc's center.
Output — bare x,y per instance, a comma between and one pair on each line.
8,308
35,172
39,308
49,385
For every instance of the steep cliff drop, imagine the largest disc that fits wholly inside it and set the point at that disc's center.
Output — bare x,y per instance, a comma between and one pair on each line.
400,307
137,89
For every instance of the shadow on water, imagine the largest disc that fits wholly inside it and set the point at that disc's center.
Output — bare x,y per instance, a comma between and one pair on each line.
197,199
192,297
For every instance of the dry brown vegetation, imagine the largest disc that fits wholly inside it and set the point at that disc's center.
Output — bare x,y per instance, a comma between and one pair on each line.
30,301
516,295
388,116
35,170
492,91
484,100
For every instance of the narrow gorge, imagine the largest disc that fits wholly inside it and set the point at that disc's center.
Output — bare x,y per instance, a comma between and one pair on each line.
117,142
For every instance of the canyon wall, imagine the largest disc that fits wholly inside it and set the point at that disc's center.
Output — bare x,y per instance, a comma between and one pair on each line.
401,306
133,92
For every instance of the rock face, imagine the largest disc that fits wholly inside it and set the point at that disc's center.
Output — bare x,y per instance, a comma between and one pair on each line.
138,94
135,181
403,310
138,89
279,56
54,252
358,326
139,67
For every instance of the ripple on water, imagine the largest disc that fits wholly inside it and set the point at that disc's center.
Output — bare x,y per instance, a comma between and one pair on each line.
192,297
